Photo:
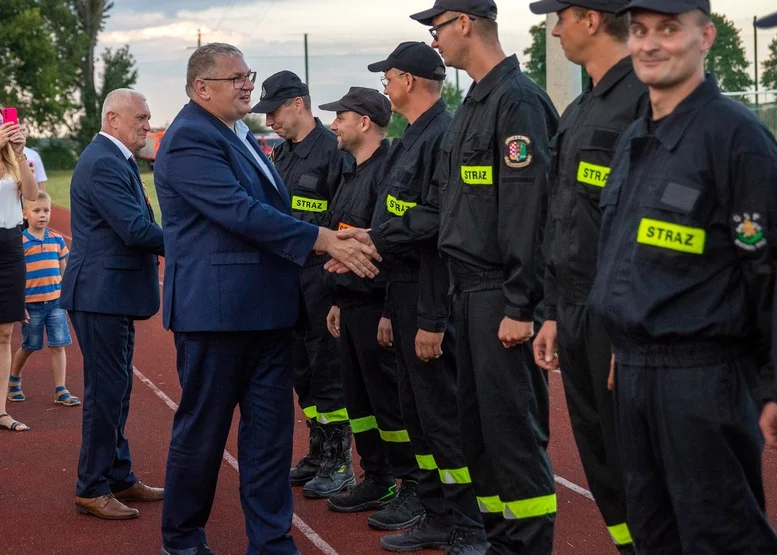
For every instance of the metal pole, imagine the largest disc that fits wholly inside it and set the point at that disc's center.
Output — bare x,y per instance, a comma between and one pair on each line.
755,63
457,81
307,79
199,38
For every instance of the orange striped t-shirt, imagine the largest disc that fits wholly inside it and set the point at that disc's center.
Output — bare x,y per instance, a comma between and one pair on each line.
42,256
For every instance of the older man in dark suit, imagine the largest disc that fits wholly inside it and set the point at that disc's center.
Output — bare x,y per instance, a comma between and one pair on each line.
231,296
111,281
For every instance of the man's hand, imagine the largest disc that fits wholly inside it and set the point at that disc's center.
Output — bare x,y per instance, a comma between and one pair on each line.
333,321
546,346
361,235
768,423
352,253
385,333
428,345
611,377
512,332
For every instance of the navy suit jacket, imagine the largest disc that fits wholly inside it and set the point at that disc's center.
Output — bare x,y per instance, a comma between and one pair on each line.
113,266
233,250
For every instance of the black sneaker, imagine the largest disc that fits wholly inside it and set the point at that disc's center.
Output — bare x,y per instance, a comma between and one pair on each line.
308,466
468,541
367,495
199,550
400,513
429,533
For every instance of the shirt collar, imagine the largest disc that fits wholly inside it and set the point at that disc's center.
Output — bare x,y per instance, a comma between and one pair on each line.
614,76
675,124
382,149
241,129
414,131
124,150
305,146
32,237
478,91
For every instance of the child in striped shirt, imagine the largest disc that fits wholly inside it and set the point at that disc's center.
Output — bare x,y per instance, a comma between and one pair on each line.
46,255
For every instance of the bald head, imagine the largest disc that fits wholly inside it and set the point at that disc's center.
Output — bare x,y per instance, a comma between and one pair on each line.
119,100
126,117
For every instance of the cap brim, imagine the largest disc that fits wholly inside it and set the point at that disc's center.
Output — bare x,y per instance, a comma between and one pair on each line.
671,7
334,107
767,21
267,106
377,67
425,17
544,7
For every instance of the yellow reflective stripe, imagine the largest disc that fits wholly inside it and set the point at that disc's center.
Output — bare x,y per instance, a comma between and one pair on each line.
426,462
310,412
340,415
477,175
398,207
671,236
400,436
491,505
620,534
592,174
455,476
359,425
305,204
529,508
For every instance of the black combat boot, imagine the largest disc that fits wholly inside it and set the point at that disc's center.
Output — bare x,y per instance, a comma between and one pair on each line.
369,494
307,467
336,470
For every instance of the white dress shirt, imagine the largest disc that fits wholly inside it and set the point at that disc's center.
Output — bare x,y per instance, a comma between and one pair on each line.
242,131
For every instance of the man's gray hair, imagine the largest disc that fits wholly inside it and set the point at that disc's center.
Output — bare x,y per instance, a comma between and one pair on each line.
205,59
118,99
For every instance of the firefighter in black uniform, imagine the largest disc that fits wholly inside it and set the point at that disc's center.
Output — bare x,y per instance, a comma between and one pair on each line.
592,36
311,167
685,287
369,370
414,74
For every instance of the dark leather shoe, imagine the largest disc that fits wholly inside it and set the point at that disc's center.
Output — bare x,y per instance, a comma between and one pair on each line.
140,492
199,550
106,507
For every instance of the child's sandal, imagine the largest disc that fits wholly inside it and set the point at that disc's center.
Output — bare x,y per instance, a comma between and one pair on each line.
15,393
63,397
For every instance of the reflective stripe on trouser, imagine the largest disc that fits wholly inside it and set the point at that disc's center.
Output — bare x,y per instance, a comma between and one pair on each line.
311,412
428,401
372,397
505,432
584,352
447,475
316,356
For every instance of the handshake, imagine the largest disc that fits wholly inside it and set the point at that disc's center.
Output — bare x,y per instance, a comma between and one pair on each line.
351,250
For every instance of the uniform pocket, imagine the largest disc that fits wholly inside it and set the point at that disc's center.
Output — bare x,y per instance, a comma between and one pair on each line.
477,171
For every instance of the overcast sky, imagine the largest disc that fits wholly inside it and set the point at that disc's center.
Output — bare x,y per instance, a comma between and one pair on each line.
343,37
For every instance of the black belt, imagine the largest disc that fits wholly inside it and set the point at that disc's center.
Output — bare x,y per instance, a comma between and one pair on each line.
683,352
477,281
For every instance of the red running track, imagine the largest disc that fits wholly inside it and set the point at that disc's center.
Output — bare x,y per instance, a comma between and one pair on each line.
38,471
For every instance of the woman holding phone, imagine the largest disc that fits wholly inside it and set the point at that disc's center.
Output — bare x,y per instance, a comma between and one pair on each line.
16,180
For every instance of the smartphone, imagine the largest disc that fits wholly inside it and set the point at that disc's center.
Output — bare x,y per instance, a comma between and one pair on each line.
10,115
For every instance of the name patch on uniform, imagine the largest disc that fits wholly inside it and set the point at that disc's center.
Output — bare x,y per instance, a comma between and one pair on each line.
671,236
342,225
591,174
304,204
477,175
398,207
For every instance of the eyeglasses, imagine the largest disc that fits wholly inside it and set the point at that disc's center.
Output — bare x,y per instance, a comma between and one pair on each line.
237,82
433,30
386,80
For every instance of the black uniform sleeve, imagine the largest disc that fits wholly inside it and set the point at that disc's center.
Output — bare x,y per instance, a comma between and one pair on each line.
522,129
339,162
753,222
434,302
550,288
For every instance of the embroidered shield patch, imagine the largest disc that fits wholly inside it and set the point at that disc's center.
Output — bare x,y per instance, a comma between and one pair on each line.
517,153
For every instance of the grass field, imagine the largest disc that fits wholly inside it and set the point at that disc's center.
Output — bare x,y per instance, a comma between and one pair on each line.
58,186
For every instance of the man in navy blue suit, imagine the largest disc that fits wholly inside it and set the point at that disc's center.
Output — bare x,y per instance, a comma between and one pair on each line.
111,281
231,296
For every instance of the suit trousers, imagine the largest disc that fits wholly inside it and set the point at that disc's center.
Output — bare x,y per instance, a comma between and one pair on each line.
107,344
219,371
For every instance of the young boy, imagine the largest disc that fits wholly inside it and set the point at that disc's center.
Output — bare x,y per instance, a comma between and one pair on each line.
46,255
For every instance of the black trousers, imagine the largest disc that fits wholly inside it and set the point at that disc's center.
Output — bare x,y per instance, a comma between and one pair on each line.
584,353
503,401
427,392
316,357
107,344
691,449
372,397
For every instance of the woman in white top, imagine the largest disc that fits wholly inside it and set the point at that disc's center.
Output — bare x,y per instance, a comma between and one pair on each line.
16,180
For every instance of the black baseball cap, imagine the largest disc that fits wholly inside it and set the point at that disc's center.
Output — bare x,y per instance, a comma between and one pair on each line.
365,102
767,21
477,8
552,6
416,58
667,6
278,88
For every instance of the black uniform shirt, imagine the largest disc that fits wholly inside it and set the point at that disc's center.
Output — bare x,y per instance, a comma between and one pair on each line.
582,152
689,228
311,170
492,184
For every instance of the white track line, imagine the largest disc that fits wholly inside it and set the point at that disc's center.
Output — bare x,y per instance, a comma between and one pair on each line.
301,525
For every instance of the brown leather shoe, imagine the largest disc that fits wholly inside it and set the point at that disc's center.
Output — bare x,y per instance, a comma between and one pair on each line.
105,506
140,492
